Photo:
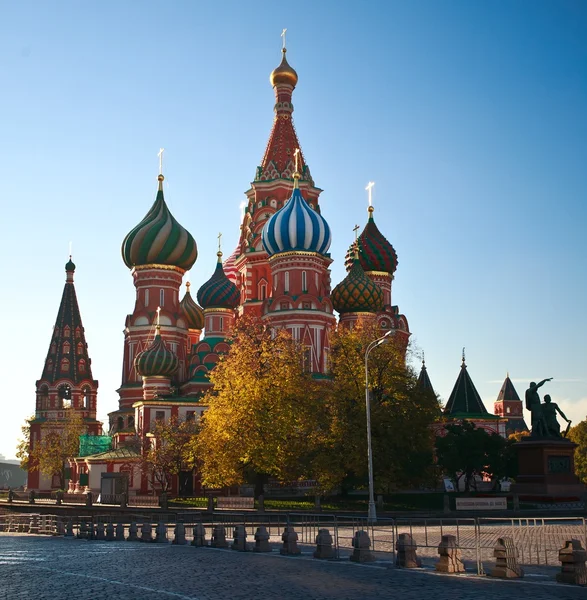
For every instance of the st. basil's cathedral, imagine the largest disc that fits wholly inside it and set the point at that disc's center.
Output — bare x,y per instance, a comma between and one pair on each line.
279,272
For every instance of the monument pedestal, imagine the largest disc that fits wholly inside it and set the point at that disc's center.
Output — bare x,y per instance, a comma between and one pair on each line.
547,467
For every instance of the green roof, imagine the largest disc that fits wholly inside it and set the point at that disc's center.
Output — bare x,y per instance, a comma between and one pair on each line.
464,399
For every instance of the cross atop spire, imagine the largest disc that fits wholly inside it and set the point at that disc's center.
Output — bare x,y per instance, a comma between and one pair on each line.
369,188
219,242
160,155
283,48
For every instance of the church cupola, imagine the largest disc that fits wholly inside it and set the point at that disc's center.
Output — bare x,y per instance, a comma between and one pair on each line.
296,227
356,295
376,254
159,239
193,314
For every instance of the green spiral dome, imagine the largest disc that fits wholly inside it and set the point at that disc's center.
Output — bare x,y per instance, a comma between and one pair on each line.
357,293
157,360
159,239
218,291
193,314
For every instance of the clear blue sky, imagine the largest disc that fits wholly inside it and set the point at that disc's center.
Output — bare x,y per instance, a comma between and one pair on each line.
471,117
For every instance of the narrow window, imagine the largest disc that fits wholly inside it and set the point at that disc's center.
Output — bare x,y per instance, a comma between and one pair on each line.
66,347
146,297
221,324
286,285
161,297
304,283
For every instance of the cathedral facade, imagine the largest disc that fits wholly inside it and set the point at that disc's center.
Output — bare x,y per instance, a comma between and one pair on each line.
279,272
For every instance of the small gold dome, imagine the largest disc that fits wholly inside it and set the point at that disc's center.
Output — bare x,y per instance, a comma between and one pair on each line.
284,73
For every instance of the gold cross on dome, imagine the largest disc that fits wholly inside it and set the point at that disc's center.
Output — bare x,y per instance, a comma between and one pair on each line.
160,155
297,159
219,239
158,313
369,188
356,229
283,39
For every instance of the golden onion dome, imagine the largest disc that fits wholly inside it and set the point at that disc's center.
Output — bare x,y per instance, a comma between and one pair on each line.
283,73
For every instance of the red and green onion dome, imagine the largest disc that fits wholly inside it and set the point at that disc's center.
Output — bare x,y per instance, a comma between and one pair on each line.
192,313
375,252
157,360
219,291
356,292
229,266
159,239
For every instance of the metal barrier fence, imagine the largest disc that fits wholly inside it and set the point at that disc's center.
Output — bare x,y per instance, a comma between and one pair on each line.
537,541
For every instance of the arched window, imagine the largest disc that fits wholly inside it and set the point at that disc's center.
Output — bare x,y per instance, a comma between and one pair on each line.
53,348
81,366
131,422
66,347
64,395
65,364
146,297
78,333
119,424
304,282
87,397
43,397
80,348
66,331
161,297
286,284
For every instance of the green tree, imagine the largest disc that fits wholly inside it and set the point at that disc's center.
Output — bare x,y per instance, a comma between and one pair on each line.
578,434
401,413
169,448
466,451
59,443
264,414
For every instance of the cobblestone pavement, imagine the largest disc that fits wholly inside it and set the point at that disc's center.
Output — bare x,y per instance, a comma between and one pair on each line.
40,567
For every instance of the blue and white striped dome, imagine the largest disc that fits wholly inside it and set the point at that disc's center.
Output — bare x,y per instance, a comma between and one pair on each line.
296,226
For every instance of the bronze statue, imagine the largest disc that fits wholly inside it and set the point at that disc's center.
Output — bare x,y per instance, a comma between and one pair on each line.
549,410
533,404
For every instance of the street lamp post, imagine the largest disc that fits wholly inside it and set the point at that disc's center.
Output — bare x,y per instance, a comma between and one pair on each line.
372,513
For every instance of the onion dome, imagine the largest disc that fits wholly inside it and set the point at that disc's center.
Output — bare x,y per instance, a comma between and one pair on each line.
375,252
296,226
157,360
356,292
219,291
159,239
69,266
193,314
283,73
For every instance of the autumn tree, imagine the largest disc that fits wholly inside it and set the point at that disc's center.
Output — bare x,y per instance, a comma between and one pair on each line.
264,416
59,443
578,434
401,413
169,449
23,444
467,451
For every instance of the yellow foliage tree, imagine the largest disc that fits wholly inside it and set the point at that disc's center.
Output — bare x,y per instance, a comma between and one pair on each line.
263,415
59,443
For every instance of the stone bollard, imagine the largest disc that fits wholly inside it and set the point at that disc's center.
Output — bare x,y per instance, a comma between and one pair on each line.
59,527
89,499
262,539
32,497
82,531
573,569
133,532
59,498
290,542
69,528
239,538
34,524
324,545
506,563
146,535
119,532
361,548
219,537
100,531
110,532
199,535
450,556
210,507
261,503
161,534
179,534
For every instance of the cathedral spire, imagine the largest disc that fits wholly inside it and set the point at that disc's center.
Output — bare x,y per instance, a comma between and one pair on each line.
68,353
278,160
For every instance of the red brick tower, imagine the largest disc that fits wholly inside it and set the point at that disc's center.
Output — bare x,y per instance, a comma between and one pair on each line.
66,385
509,406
